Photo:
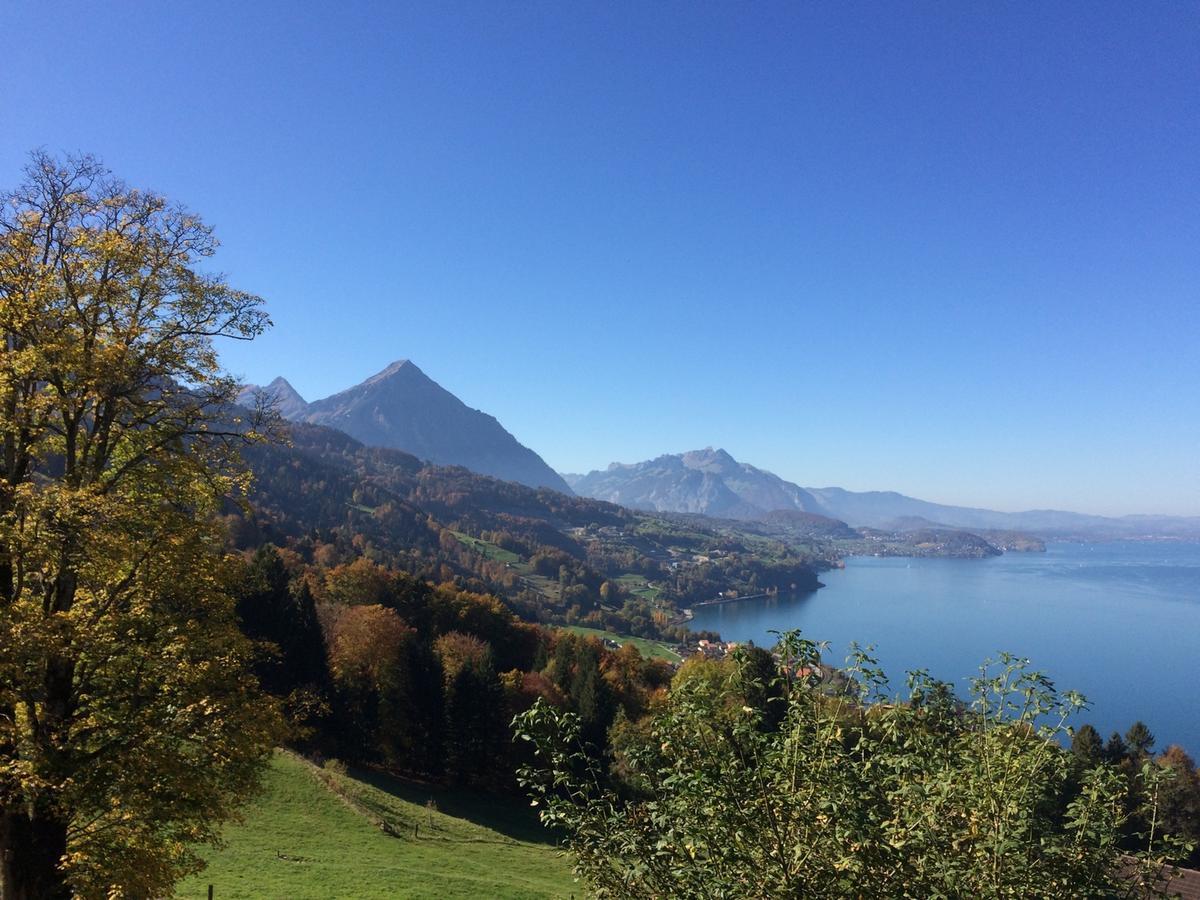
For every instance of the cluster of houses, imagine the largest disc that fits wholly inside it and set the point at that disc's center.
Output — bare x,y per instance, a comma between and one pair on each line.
708,649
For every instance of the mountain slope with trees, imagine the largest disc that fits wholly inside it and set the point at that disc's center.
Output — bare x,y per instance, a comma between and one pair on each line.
553,557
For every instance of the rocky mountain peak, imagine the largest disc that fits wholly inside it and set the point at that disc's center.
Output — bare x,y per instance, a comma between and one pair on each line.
286,398
710,460
708,481
403,408
403,368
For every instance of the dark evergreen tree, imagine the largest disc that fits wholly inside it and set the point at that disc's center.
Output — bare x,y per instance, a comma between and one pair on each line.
563,663
1139,740
540,655
427,710
591,696
474,703
1116,751
1087,745
292,656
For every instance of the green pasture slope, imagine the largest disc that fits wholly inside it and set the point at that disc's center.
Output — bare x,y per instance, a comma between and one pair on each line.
315,835
487,550
639,587
649,649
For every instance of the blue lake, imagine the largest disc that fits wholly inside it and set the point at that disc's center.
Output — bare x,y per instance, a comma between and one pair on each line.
1119,622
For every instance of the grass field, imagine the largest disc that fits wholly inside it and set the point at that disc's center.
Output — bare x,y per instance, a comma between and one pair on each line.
316,835
649,649
639,587
487,550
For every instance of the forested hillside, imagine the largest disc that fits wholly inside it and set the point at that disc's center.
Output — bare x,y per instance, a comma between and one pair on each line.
553,557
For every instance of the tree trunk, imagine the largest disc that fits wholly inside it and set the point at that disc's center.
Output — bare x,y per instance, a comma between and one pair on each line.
31,849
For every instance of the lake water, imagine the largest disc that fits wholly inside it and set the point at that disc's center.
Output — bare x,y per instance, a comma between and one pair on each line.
1119,622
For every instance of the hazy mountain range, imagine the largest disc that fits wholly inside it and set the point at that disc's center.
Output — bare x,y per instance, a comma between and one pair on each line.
713,483
403,408
709,482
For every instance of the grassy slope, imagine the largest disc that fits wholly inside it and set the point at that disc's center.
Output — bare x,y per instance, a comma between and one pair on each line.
487,550
302,840
648,649
638,586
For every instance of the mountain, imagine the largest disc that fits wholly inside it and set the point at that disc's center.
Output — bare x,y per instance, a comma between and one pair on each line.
709,482
884,509
713,483
286,398
404,409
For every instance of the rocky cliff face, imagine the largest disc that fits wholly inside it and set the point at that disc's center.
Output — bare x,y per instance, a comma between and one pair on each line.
403,408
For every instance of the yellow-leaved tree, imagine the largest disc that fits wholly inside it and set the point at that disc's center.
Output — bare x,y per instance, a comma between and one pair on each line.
129,725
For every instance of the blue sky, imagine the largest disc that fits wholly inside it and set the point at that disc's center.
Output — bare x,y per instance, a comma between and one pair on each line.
947,249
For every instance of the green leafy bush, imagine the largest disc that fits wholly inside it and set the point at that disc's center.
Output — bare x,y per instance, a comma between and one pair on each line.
736,788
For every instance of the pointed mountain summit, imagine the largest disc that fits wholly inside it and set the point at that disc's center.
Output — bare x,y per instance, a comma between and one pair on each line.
403,408
287,399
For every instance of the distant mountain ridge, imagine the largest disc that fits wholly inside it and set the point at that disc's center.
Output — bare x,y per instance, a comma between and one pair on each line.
709,482
403,408
713,483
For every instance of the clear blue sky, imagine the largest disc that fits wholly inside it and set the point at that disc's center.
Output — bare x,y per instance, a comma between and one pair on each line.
950,249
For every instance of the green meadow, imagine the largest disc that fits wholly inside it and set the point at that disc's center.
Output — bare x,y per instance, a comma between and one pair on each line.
649,649
315,834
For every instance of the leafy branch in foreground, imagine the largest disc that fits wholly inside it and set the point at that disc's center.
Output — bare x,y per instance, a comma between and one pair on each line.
737,787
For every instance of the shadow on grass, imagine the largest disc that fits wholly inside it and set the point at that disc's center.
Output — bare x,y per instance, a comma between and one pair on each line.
509,816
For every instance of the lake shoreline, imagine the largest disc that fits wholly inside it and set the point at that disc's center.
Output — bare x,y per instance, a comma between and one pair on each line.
1087,614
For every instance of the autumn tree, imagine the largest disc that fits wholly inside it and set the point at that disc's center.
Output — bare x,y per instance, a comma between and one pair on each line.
1181,799
368,654
474,698
129,724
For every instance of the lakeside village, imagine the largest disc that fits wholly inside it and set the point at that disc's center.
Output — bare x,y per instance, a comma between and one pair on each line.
703,647
675,559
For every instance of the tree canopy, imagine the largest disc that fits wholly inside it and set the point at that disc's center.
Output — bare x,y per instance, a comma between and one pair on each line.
840,792
129,721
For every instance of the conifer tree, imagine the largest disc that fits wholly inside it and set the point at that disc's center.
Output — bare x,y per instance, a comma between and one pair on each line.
1087,745
1139,739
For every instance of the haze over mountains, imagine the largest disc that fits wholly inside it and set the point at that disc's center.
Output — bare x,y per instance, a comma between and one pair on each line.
709,482
713,483
403,408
